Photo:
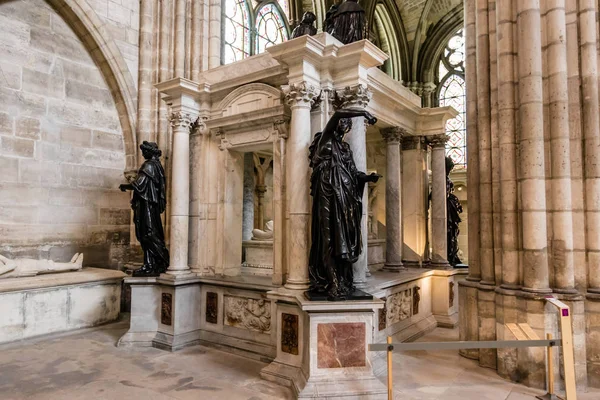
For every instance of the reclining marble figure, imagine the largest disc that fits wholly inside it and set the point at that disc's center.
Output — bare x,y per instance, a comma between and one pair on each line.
22,267
267,234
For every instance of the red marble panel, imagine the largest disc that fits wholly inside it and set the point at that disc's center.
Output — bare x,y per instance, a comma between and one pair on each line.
341,345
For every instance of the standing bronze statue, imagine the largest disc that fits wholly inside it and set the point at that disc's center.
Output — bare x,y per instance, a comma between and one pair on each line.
454,209
328,22
306,26
337,189
148,202
349,22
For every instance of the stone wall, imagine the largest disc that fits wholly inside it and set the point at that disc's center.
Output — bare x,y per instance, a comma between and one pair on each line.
61,146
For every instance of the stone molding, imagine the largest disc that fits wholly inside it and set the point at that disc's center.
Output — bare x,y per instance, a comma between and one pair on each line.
393,135
301,94
355,96
181,120
437,141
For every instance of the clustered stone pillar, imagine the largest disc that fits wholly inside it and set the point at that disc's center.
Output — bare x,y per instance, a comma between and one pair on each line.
300,98
180,193
358,97
439,224
393,199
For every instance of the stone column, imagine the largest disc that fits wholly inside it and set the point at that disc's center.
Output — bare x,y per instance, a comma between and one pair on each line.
359,96
248,208
531,148
393,199
196,40
180,19
144,116
180,193
439,224
591,137
299,97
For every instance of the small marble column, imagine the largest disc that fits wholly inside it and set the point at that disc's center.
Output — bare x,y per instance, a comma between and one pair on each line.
359,96
248,208
299,97
393,199
180,193
439,224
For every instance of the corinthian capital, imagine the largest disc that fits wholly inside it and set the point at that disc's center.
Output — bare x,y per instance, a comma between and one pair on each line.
438,141
355,96
299,94
393,135
181,120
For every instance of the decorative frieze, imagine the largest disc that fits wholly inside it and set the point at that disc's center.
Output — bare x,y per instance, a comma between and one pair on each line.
399,306
246,313
166,307
289,333
212,307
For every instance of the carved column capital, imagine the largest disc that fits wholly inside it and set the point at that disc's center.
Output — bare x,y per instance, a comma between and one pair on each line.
413,142
437,141
393,135
355,96
181,120
199,125
300,94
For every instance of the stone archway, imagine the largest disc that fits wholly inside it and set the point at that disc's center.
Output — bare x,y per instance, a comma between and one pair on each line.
96,38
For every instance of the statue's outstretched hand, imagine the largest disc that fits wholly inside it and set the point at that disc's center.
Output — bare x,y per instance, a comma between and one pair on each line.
371,120
374,177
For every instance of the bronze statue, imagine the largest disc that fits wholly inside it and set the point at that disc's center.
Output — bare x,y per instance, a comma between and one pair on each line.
349,23
454,209
328,22
148,202
337,189
306,26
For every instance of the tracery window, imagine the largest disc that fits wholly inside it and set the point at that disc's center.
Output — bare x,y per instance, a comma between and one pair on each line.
451,86
249,27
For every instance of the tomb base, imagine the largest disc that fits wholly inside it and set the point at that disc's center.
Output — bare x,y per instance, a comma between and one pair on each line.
322,347
51,303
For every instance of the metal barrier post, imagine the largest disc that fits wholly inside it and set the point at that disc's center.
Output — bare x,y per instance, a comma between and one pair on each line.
389,367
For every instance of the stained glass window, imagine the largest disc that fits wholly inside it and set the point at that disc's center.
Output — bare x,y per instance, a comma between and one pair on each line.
451,75
250,26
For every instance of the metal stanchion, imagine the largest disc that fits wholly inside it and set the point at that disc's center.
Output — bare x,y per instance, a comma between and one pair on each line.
390,349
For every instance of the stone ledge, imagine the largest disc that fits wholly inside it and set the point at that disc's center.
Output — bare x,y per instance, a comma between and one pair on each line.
79,278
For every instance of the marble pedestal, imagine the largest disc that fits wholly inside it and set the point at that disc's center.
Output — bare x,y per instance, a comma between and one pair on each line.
258,257
322,347
44,304
165,312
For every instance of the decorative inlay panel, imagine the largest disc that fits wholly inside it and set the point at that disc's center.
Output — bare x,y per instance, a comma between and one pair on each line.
341,345
212,307
382,315
246,313
399,306
289,333
166,308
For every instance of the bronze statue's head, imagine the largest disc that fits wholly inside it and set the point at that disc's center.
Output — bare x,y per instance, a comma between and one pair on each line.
309,18
344,126
150,149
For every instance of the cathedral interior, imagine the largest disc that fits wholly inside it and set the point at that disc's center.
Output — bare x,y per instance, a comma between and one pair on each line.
180,218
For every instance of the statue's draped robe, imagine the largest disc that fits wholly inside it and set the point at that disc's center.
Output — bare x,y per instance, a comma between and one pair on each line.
453,210
148,202
336,187
303,29
349,23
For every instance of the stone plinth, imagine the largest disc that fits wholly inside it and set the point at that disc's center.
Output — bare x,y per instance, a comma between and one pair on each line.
51,303
322,347
376,254
258,257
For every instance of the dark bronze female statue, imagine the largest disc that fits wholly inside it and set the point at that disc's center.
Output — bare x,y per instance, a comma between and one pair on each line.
337,190
148,202
349,23
306,26
454,209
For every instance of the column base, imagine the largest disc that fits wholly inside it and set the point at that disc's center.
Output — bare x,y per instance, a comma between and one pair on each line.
533,290
296,285
565,291
176,272
442,264
394,267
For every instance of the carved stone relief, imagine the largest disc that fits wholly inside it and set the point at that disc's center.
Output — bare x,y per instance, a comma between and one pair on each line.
212,307
451,293
416,300
289,333
251,314
399,306
166,309
382,315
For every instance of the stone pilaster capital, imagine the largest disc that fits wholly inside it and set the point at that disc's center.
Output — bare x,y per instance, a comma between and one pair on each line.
300,94
199,125
393,135
428,87
410,142
355,96
282,127
181,120
437,141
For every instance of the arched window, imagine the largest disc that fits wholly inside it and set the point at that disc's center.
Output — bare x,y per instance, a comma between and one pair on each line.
451,88
387,41
250,27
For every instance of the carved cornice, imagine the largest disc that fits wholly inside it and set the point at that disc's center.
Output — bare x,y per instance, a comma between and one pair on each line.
355,96
301,94
181,120
393,135
437,141
413,142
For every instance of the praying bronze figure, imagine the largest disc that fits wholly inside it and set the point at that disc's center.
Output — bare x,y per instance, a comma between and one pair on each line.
148,203
337,189
306,26
454,209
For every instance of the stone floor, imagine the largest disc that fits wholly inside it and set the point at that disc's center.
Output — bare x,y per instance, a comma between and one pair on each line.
87,365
